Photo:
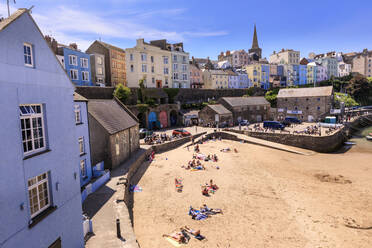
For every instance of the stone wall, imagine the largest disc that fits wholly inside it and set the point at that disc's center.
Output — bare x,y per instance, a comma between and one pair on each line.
324,144
173,144
203,95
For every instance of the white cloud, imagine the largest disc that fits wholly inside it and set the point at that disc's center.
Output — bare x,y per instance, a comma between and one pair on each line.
70,24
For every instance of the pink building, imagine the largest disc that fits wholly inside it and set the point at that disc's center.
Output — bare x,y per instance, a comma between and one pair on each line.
196,79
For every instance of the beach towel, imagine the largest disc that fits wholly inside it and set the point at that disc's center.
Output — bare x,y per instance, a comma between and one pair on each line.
173,242
178,183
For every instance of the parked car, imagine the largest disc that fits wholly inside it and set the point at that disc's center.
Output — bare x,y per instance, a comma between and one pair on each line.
273,125
289,120
182,132
223,125
143,132
244,123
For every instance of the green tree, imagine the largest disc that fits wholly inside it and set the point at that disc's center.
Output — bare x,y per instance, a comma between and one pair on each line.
347,99
122,92
271,97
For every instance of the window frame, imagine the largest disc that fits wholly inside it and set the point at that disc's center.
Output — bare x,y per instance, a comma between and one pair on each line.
83,61
81,145
36,186
31,115
77,111
87,76
77,74
83,169
31,55
144,68
71,61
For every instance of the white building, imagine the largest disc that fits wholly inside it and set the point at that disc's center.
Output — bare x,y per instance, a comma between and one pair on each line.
343,69
287,56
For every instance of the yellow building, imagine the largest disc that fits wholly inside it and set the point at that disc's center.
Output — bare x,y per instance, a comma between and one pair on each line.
215,79
148,62
311,73
254,74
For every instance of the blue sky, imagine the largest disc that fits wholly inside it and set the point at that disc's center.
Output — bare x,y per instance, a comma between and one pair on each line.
209,27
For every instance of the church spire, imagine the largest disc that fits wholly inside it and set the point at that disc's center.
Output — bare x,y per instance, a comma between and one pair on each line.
255,40
255,48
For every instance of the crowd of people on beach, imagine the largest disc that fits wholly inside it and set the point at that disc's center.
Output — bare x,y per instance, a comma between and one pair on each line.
160,138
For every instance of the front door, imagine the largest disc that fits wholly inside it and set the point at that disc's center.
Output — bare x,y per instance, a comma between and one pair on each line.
158,84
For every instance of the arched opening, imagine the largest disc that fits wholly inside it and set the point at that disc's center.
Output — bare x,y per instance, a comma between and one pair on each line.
142,120
173,118
163,118
152,120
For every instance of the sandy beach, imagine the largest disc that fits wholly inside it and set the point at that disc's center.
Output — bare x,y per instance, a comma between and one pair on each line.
270,198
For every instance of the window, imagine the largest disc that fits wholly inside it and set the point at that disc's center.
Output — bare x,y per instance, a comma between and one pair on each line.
72,59
184,59
166,80
84,62
165,60
99,70
184,68
81,145
131,68
318,99
74,74
85,75
77,114
184,76
175,75
166,71
152,59
144,68
32,126
152,69
175,58
318,108
99,60
27,53
38,194
175,67
143,56
83,168
131,57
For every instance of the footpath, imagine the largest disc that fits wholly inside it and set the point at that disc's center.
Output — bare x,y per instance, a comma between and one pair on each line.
105,206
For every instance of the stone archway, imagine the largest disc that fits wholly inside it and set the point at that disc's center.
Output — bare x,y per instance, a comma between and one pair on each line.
173,118
163,118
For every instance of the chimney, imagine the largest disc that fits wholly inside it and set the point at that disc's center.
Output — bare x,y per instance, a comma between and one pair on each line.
282,49
73,46
274,52
140,41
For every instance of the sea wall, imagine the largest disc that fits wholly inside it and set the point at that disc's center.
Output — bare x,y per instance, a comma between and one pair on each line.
176,143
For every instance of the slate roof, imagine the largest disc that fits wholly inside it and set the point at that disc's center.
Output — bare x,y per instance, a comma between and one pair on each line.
113,117
4,23
306,92
79,98
245,101
219,109
108,46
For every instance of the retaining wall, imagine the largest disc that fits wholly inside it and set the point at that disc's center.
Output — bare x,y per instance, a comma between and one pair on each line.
173,144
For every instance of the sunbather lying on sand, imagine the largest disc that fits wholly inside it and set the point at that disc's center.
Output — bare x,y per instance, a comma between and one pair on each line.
210,211
195,233
227,149
196,214
205,191
177,236
213,186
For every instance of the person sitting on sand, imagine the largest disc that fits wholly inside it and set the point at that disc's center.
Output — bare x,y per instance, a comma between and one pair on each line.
213,186
215,159
198,163
193,156
205,191
177,236
235,150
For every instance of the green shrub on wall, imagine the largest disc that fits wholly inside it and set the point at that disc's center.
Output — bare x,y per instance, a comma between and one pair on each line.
142,108
122,93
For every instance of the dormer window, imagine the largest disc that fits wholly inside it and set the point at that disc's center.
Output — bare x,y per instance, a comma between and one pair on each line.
27,53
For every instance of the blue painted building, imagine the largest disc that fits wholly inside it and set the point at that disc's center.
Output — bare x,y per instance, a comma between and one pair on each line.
265,75
77,65
82,137
302,74
39,181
